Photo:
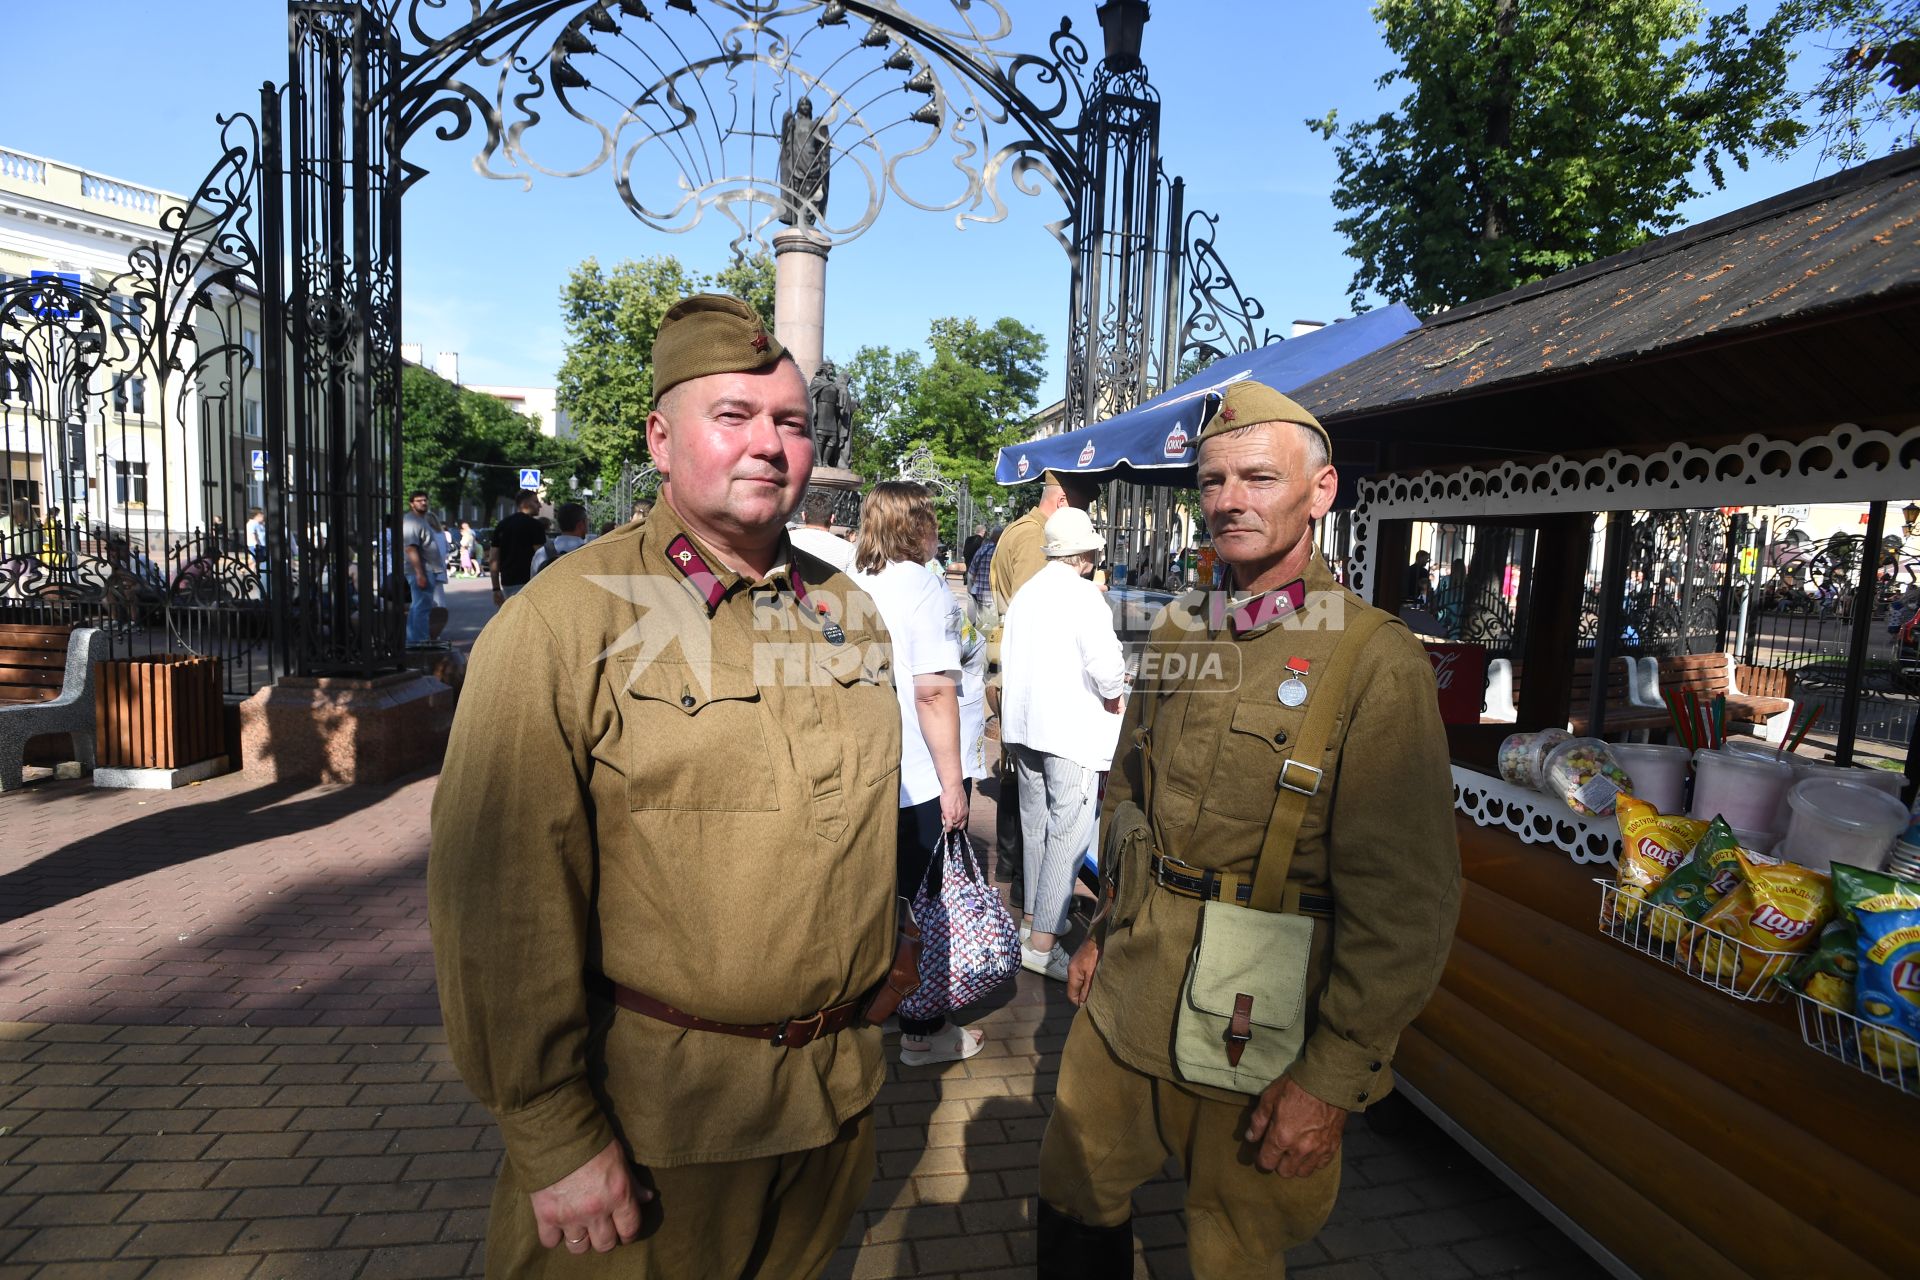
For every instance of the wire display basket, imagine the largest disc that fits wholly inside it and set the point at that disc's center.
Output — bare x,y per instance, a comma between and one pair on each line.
1743,971
1886,1055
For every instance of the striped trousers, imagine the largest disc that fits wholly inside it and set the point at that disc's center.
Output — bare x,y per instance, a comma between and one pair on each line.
1058,806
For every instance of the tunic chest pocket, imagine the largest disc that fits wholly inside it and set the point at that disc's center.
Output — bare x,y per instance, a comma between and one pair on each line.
860,677
695,738
1259,740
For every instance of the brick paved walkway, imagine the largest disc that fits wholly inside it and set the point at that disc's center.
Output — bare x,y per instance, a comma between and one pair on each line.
219,1056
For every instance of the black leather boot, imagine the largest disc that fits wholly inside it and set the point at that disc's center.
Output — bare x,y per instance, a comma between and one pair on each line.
1071,1250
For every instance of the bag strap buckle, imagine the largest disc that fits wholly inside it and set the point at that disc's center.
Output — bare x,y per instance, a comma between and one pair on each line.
1240,1028
1301,788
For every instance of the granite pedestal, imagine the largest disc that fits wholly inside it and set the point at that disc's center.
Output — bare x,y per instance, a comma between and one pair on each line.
345,729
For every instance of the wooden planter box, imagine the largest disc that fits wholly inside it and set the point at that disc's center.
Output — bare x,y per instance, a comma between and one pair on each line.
161,712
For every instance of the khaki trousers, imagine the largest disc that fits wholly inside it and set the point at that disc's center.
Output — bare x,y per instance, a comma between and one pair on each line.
1113,1128
775,1218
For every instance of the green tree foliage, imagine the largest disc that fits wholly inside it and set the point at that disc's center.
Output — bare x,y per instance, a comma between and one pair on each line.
1538,134
972,397
1872,75
611,318
448,433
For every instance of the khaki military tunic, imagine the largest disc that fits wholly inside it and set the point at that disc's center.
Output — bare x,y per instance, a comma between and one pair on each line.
1378,838
685,780
1018,555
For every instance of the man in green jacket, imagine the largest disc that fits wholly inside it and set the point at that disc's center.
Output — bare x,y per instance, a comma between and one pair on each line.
663,856
1375,862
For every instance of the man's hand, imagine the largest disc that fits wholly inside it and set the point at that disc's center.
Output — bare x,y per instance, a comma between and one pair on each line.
1112,704
1080,971
499,597
420,579
596,1205
1297,1134
953,808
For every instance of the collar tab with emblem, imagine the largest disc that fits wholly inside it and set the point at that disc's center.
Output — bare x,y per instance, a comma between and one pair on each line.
682,555
1262,610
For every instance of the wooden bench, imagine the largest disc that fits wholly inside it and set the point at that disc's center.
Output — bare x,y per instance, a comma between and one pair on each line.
1755,695
46,687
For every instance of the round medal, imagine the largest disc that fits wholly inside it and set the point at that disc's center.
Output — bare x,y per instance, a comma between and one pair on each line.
1293,691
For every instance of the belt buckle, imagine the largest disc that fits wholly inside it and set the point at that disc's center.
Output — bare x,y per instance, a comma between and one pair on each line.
800,1032
1169,863
1287,785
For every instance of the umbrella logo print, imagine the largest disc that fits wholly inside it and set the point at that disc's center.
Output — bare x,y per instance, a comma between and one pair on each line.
1176,446
1021,468
1086,454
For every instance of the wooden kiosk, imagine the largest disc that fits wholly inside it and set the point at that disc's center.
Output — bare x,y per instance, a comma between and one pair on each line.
1769,356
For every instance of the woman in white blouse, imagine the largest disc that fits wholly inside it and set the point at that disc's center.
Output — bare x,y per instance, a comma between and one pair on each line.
897,532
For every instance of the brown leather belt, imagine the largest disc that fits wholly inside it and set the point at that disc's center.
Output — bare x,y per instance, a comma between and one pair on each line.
794,1033
1190,881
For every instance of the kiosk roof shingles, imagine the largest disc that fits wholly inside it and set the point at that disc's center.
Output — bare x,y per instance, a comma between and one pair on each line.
1844,243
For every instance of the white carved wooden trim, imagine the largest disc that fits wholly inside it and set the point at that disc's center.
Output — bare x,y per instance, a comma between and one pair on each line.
1535,818
1847,464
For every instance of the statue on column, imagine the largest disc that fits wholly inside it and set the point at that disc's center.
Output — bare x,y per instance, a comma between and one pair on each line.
806,157
831,400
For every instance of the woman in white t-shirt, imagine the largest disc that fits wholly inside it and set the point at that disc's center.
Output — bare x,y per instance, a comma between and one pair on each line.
897,530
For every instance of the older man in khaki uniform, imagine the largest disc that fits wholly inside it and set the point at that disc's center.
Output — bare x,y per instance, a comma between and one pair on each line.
1375,862
663,846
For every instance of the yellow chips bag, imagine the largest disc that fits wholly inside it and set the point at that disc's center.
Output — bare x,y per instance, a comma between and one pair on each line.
1779,908
1652,844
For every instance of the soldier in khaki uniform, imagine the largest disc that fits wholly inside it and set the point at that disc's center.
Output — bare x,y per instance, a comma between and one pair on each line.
661,883
1018,555
1375,862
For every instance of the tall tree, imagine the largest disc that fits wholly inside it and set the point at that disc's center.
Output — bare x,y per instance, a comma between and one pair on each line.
611,319
456,443
1538,135
973,397
1871,80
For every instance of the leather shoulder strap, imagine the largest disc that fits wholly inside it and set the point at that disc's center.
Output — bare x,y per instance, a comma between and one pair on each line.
1290,805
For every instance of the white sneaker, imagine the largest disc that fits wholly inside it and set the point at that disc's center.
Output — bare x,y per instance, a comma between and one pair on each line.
1048,964
1026,931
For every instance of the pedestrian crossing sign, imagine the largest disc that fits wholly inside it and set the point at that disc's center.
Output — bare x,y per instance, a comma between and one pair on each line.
529,477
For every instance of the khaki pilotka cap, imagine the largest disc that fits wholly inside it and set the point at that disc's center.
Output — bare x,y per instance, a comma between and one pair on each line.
1077,486
710,333
1248,404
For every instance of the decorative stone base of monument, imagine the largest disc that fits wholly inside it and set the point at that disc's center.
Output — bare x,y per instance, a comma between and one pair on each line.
843,487
344,729
160,779
447,665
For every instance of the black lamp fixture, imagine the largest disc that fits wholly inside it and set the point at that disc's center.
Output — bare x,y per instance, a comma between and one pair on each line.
1910,514
1123,22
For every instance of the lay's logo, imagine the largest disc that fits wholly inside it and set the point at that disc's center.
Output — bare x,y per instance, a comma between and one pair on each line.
1781,925
1905,976
1086,454
1654,851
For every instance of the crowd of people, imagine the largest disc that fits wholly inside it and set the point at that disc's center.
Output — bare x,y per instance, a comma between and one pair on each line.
670,919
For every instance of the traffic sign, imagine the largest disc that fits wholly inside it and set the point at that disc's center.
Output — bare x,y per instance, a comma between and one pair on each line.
259,462
529,477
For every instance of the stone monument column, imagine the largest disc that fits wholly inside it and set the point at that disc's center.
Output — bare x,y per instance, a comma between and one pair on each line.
800,295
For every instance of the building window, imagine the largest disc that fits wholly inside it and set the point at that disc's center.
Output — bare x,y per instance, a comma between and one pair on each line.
137,396
252,422
250,343
130,484
127,313
119,393
256,494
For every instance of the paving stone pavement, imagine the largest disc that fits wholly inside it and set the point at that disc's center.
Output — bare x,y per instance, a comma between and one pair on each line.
220,1057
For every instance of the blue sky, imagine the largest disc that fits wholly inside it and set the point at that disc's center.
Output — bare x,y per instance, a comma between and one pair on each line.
485,260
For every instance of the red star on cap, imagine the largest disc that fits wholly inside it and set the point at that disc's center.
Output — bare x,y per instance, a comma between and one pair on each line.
1227,413
759,342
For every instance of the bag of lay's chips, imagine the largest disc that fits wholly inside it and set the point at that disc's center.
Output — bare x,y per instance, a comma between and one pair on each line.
1888,987
1778,909
1708,873
1827,974
1652,844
